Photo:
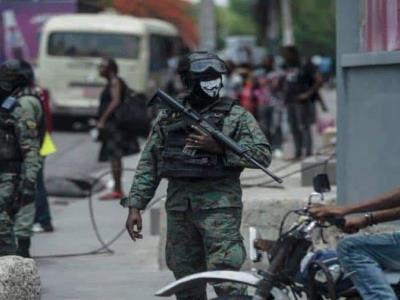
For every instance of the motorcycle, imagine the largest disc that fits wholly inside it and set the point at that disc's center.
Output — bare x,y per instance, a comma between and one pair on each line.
295,269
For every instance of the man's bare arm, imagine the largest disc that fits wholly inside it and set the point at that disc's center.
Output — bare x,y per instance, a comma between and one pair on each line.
387,201
385,216
115,100
318,82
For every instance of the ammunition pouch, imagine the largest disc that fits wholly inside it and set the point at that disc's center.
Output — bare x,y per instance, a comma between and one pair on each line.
175,164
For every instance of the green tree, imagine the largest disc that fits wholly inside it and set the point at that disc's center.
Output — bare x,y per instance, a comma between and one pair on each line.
313,21
314,26
235,19
234,23
242,7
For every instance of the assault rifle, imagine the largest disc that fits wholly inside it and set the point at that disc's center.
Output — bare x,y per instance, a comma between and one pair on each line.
174,105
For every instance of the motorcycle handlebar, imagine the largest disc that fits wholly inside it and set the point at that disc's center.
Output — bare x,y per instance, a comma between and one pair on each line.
338,222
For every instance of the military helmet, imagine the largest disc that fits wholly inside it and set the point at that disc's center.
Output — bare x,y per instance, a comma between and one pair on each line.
15,73
201,61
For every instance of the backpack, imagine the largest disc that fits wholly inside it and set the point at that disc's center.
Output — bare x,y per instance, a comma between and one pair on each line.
131,115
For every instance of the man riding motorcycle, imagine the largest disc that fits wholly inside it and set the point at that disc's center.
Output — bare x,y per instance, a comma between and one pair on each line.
365,257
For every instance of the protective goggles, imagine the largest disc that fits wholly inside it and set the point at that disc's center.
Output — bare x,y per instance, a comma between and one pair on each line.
198,66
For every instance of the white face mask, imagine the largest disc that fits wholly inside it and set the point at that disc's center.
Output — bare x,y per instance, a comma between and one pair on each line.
211,87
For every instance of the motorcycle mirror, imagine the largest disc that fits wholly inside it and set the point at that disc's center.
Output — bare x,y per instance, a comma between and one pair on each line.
321,183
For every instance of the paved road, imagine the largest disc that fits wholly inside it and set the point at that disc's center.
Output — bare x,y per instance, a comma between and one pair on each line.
130,273
76,156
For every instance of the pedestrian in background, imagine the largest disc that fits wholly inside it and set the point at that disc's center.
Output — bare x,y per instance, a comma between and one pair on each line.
301,84
43,222
274,78
267,93
116,142
247,99
263,98
31,99
316,98
20,161
232,81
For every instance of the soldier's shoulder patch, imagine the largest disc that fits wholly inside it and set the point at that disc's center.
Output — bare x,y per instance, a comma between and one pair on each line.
9,103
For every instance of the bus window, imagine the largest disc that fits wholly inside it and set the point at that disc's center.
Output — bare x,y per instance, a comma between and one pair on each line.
94,45
161,49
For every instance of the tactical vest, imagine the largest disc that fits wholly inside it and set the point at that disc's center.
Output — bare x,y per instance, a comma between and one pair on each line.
10,154
174,162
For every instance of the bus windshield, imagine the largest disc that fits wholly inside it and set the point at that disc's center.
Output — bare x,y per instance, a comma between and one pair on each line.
94,45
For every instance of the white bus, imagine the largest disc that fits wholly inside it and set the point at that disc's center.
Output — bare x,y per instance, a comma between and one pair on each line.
71,48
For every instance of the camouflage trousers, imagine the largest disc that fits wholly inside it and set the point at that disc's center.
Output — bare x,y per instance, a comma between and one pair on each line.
205,240
7,192
20,225
24,220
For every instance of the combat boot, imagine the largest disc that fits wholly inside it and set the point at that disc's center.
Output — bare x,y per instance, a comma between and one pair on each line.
23,247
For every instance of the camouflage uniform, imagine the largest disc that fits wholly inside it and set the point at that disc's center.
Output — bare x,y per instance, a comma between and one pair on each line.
26,215
18,189
203,215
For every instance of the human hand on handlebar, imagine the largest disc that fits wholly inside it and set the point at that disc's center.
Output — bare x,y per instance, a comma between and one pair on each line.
354,224
323,212
351,225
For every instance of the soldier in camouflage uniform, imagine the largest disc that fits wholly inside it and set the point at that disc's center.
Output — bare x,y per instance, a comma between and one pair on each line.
29,98
19,152
204,204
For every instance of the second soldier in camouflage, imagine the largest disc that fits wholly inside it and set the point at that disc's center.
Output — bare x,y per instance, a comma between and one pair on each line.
19,153
204,205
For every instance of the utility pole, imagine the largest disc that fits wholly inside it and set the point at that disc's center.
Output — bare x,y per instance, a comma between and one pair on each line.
273,26
208,34
287,23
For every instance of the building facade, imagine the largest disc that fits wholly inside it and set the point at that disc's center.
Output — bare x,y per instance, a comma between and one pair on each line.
368,74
